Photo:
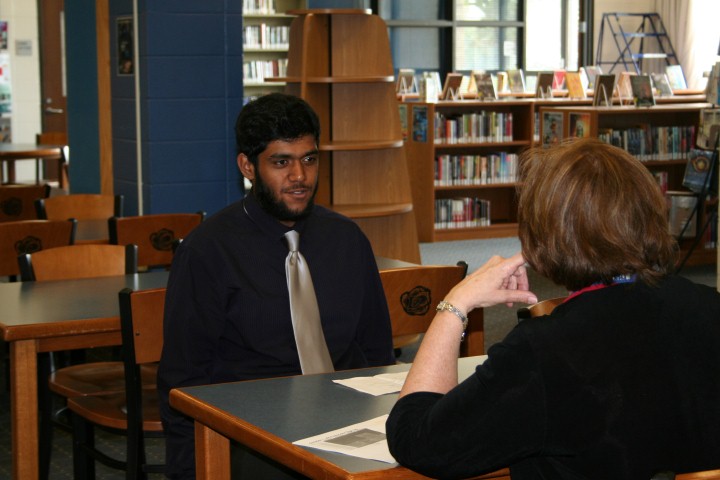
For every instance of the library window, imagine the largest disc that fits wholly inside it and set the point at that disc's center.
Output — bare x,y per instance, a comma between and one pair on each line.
490,35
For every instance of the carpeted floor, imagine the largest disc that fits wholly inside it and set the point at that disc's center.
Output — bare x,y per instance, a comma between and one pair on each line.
498,321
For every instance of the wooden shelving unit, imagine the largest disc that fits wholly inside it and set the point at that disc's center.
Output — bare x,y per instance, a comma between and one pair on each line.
339,61
425,144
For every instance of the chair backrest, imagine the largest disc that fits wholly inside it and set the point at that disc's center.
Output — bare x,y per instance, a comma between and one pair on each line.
539,309
153,234
17,202
413,292
81,206
78,261
141,317
30,236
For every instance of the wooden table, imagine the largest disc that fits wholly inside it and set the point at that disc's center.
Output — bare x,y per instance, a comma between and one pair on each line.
10,152
50,316
268,415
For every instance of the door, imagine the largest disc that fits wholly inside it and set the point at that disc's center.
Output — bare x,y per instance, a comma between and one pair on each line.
52,72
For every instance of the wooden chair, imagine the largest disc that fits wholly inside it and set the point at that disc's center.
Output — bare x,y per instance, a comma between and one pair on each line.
78,261
539,309
56,138
30,236
134,412
412,294
154,235
17,202
80,206
79,379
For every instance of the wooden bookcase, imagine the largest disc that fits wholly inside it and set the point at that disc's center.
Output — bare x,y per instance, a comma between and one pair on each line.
264,43
425,143
339,61
630,126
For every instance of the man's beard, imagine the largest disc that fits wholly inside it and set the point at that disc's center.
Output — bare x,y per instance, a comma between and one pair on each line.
276,207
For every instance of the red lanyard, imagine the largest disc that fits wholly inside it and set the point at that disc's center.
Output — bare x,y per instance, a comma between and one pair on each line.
597,286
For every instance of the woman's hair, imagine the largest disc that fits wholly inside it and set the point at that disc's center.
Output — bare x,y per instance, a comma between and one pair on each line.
276,116
588,212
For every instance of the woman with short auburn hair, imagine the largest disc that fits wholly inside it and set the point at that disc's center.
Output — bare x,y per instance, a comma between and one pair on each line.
620,381
589,212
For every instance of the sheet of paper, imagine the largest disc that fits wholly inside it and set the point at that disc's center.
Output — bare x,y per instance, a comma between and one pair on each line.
377,385
364,440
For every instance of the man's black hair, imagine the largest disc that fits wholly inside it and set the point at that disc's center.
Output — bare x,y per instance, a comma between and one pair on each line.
276,116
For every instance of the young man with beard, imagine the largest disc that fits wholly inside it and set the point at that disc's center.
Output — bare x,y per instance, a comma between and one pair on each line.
227,314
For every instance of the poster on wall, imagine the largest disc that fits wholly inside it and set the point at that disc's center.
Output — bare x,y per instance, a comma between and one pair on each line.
125,46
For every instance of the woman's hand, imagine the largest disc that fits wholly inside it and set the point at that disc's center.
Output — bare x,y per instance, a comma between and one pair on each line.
500,280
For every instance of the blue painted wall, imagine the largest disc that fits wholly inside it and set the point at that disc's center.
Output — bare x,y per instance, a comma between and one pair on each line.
82,95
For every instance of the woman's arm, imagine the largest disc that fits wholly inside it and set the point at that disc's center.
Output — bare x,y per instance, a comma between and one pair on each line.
500,280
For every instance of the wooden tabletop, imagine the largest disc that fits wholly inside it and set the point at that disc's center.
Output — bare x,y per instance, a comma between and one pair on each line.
18,151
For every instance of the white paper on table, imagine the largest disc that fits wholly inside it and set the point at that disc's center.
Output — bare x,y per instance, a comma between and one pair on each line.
364,440
377,385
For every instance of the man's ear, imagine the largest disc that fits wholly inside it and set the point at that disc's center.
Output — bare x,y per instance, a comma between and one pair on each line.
246,167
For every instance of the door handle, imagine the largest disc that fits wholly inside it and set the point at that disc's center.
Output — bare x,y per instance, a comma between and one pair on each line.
54,110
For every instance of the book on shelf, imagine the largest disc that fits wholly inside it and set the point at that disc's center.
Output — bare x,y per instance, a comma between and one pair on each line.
579,124
604,89
661,177
502,82
429,87
624,86
406,81
544,85
476,127
642,91
662,84
701,171
676,77
552,128
516,81
462,212
709,128
574,85
592,71
558,80
486,169
485,86
682,218
451,88
712,89
651,142
263,36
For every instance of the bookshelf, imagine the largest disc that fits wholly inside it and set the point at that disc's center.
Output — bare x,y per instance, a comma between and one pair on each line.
659,136
339,61
446,163
266,32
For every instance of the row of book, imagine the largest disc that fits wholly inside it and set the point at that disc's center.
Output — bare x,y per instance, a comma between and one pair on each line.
647,142
266,36
488,169
477,127
464,212
259,7
259,70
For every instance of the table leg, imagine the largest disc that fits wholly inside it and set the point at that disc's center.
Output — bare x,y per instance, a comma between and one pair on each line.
24,409
212,454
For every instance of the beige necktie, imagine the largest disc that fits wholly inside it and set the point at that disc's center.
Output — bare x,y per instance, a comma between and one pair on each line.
309,338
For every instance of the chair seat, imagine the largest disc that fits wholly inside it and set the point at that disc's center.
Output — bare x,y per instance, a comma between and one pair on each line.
98,378
110,410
